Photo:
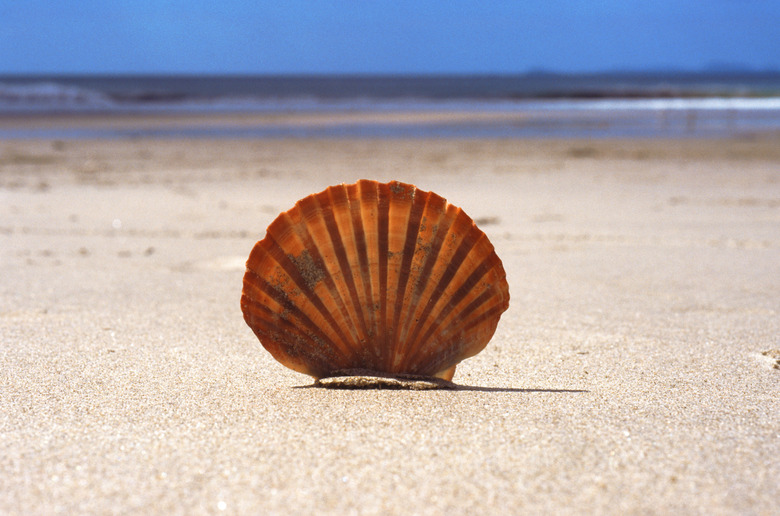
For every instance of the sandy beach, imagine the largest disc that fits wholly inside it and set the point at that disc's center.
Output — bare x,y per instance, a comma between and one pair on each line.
637,370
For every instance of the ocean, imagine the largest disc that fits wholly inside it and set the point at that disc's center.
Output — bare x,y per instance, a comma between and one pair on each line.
545,104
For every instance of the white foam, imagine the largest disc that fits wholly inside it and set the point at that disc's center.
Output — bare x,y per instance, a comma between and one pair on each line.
40,96
666,104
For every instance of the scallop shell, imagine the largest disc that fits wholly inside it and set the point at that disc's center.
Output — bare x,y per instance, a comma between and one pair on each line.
374,277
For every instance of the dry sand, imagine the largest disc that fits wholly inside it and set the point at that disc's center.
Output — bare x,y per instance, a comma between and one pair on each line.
633,372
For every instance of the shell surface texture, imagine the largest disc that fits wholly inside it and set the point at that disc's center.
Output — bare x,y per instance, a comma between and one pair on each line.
374,277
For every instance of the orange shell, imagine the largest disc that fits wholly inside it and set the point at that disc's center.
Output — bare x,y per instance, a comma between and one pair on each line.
376,277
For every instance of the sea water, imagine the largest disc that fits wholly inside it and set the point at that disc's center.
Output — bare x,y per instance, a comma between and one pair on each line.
540,104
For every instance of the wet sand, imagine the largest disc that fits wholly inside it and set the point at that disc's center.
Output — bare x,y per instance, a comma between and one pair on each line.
637,369
517,121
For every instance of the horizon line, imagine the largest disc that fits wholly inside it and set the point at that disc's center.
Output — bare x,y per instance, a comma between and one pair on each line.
529,72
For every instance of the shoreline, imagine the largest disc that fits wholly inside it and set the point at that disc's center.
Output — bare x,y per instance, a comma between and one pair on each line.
552,121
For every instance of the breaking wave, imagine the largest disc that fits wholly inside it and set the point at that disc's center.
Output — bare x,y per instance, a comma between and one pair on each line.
48,96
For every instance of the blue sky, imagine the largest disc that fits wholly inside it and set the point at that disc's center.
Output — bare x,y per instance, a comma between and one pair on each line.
379,36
